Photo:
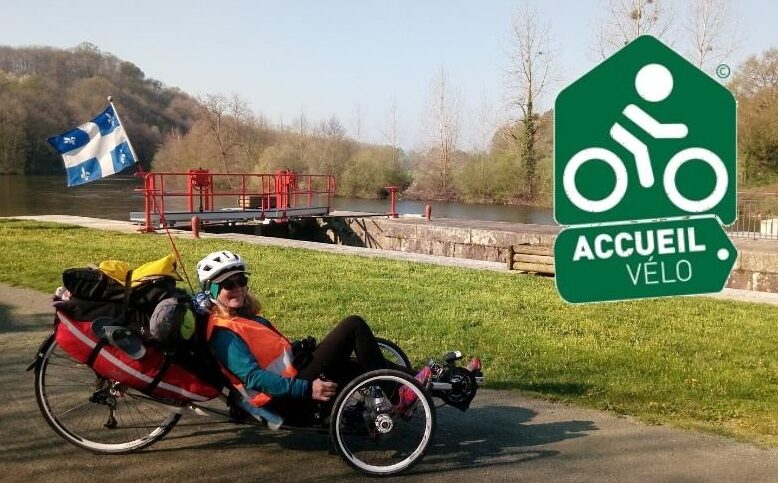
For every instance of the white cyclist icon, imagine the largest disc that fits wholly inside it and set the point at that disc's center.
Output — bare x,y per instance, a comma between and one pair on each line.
654,83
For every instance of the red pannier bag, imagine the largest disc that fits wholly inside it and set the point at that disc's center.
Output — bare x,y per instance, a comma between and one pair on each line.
76,338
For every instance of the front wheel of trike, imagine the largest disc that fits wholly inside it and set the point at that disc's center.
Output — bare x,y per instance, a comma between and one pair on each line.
371,433
93,413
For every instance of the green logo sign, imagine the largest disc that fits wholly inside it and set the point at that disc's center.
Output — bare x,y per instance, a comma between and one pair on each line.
644,136
631,260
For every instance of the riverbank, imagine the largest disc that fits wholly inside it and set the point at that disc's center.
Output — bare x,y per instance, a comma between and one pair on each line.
691,362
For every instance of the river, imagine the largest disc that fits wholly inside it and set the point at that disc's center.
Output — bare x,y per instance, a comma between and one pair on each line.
114,198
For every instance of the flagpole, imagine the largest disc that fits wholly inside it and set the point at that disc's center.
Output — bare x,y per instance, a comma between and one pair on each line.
153,198
129,143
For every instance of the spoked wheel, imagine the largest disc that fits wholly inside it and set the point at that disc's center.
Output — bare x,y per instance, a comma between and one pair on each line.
96,414
393,353
368,431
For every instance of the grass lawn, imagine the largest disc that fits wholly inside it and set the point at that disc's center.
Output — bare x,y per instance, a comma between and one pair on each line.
691,362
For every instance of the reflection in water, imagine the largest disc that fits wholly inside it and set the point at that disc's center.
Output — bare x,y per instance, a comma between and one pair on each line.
462,211
114,198
111,197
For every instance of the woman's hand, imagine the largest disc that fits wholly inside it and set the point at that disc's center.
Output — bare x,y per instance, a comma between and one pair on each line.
322,390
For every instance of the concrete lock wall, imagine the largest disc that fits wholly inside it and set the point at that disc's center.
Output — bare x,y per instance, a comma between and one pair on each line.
755,269
443,237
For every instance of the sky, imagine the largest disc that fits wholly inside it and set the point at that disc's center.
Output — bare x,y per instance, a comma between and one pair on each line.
324,58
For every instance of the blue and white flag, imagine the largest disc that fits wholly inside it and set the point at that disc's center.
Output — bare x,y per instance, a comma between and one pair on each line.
94,150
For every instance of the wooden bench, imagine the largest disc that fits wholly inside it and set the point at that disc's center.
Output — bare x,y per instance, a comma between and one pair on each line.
533,258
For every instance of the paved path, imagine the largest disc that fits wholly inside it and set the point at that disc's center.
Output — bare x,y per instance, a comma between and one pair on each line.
505,436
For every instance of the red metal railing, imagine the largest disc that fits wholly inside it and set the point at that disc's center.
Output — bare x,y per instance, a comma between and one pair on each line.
204,191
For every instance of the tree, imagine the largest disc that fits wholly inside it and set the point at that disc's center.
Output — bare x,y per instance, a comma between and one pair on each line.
757,74
227,120
333,134
392,132
625,20
368,174
475,181
301,136
12,120
359,121
442,126
529,76
756,86
709,32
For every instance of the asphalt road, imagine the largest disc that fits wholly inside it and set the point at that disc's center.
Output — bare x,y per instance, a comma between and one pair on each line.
505,436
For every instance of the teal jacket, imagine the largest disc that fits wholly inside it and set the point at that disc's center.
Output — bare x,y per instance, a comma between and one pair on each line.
233,352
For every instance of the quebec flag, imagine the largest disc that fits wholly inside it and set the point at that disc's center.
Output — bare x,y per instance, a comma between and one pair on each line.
94,150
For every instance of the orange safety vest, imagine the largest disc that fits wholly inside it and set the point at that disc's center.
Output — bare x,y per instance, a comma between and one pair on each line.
269,347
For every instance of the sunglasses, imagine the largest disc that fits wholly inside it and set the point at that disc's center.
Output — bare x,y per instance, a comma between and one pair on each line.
240,280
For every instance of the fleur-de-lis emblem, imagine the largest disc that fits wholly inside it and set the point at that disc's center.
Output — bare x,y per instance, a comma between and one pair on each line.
111,119
122,158
85,174
69,140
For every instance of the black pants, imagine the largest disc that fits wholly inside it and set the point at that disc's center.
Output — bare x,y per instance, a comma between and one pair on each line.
333,359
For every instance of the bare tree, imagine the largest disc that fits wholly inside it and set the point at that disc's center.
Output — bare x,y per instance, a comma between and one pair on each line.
359,121
333,132
711,31
628,19
301,137
757,74
443,126
228,121
486,122
392,132
529,76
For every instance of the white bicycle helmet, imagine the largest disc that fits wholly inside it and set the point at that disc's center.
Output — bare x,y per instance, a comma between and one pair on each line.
217,266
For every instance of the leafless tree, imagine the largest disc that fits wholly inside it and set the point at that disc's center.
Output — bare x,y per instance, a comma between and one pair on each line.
359,121
625,20
443,127
529,76
486,122
392,131
333,133
758,74
228,120
301,136
711,30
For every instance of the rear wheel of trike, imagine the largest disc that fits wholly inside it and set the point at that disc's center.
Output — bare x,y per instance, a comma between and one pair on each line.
371,434
97,414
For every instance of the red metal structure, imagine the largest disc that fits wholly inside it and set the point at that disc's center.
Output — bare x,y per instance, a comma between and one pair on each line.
392,206
200,181
173,197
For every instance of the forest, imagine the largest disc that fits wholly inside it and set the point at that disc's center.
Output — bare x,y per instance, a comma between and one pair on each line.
45,91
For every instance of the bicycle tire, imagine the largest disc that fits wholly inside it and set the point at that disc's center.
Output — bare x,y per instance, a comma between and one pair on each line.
398,356
74,400
353,430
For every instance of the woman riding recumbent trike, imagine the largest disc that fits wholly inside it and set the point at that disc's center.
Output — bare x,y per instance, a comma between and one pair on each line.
99,391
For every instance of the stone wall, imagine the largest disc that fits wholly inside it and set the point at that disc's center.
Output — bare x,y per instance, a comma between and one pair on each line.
755,269
443,238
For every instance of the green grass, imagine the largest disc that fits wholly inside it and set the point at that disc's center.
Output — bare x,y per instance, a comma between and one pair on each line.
692,362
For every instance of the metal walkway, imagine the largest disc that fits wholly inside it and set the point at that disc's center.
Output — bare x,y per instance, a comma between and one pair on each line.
226,215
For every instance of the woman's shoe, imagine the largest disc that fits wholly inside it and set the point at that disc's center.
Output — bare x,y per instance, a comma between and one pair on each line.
407,396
